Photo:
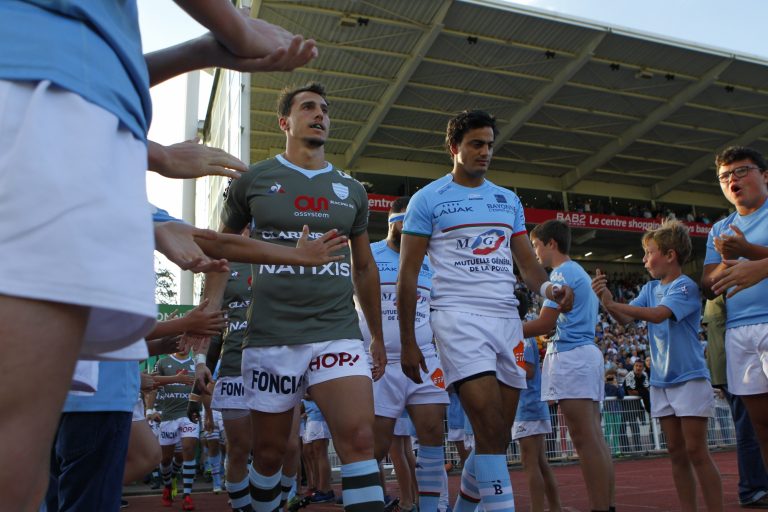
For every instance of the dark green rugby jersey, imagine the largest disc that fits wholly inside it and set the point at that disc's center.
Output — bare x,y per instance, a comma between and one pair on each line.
172,399
292,304
237,297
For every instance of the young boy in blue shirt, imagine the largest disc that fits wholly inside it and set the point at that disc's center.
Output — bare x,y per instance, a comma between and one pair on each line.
681,394
532,423
572,372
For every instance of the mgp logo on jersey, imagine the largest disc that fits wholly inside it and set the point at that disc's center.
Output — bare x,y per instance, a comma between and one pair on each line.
488,242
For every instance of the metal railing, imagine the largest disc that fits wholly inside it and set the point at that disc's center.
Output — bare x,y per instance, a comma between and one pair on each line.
628,429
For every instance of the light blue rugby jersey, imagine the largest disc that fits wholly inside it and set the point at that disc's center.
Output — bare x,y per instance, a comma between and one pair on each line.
749,306
530,407
577,327
469,232
388,263
89,47
676,354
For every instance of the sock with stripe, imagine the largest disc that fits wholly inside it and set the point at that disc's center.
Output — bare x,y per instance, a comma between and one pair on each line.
239,495
265,490
190,469
167,473
286,484
176,469
469,494
361,488
494,483
442,504
430,469
215,461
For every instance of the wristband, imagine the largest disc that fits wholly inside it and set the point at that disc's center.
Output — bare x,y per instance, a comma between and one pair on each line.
543,289
148,412
201,359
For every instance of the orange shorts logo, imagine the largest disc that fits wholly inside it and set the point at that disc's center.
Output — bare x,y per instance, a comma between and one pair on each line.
437,378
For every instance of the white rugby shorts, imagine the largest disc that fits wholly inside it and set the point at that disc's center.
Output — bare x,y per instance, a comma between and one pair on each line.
691,398
573,374
394,391
172,431
471,344
75,223
275,378
746,355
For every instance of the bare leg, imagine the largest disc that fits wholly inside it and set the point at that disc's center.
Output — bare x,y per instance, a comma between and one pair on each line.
682,472
695,435
143,452
46,336
588,440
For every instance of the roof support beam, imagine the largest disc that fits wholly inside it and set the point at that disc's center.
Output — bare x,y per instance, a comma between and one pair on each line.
614,147
700,164
549,90
393,91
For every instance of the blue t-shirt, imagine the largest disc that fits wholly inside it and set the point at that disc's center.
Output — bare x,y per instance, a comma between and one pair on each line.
676,354
749,306
89,47
530,407
388,263
469,231
577,327
118,389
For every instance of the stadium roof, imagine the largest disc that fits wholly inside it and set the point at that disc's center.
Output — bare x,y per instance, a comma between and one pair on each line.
582,107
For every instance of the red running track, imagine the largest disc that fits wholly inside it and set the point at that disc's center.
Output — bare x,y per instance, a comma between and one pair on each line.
642,485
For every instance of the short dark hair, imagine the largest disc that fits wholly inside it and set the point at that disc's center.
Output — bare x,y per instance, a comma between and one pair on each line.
285,99
556,230
399,205
465,121
735,153
522,302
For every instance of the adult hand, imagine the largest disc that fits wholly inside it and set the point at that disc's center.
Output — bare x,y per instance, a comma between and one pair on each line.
378,359
563,295
412,361
203,378
740,274
190,159
177,241
295,53
733,246
319,251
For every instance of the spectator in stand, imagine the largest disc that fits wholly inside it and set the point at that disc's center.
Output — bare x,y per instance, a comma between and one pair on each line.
612,411
648,367
636,384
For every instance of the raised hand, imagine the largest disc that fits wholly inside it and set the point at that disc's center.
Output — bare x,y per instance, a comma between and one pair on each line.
320,251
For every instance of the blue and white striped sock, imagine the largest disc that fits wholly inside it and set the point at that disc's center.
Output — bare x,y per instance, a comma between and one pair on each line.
361,487
286,484
239,495
430,469
469,495
167,473
494,483
265,491
188,473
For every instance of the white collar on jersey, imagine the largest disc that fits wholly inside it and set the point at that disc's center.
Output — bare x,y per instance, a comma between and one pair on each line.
306,172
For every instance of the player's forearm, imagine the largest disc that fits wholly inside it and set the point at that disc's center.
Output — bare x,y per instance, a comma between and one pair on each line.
222,19
179,59
756,252
247,250
368,291
406,304
537,327
710,275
